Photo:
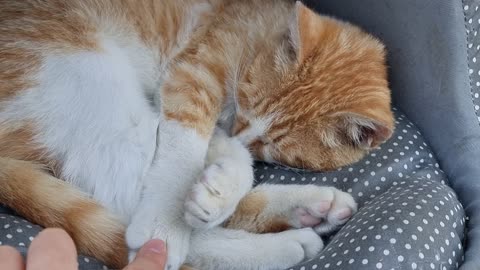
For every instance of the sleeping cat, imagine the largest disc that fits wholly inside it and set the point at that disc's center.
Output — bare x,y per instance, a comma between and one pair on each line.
121,99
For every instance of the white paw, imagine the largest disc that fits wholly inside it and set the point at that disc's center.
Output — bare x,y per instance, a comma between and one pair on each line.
323,208
216,194
300,244
175,234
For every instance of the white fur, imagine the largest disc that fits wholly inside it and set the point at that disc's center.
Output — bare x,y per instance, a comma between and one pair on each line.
220,248
91,110
327,204
225,181
179,160
258,127
88,109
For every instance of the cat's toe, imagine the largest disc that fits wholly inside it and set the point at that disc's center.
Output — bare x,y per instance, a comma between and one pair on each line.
196,216
343,208
177,239
139,231
324,209
313,213
309,241
210,201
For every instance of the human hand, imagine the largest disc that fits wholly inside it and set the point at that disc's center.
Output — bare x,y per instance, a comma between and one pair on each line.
54,249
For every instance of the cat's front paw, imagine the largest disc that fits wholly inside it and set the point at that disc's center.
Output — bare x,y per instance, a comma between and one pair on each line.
215,195
324,209
175,234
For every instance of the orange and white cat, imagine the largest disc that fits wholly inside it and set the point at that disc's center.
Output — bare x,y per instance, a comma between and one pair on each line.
121,99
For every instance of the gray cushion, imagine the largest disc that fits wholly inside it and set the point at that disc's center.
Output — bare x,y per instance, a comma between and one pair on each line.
428,53
408,215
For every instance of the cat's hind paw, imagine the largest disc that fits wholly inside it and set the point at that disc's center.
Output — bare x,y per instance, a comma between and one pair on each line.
324,209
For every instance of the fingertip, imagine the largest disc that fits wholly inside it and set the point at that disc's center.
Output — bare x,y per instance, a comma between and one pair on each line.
52,248
156,246
10,258
152,255
60,236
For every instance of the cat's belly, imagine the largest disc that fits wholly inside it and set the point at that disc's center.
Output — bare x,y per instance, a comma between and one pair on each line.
89,114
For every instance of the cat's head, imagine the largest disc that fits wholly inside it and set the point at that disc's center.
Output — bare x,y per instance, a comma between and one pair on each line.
317,100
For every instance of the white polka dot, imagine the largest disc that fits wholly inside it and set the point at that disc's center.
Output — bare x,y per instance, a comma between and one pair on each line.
364,261
400,258
379,265
386,252
9,236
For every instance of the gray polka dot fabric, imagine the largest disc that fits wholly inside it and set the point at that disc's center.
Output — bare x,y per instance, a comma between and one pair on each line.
408,216
18,232
472,21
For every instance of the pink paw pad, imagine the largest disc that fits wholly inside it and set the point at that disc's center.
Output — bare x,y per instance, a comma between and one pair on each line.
314,214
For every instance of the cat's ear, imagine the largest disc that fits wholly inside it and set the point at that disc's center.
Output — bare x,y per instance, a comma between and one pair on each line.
363,131
303,30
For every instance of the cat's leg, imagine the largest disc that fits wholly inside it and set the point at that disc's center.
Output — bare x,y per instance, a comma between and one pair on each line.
228,176
179,159
272,208
191,100
220,249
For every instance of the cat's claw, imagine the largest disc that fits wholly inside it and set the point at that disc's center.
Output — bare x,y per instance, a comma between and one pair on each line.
215,195
324,209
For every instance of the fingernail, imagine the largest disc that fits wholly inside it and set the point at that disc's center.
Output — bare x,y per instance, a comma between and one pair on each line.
155,246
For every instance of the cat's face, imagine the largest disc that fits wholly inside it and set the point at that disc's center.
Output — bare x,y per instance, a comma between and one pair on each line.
318,102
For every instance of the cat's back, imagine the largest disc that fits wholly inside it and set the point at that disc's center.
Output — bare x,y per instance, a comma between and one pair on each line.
148,32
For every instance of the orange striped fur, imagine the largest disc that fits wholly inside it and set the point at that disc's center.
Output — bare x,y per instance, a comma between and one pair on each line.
51,202
326,92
